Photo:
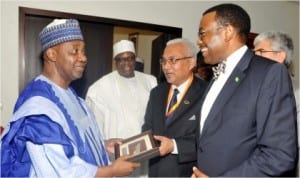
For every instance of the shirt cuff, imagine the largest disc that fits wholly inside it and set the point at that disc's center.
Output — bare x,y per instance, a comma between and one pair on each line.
175,150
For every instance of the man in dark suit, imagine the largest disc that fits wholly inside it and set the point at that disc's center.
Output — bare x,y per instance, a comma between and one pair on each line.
248,117
174,126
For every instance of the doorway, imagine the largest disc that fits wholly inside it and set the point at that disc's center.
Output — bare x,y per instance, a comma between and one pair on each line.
100,34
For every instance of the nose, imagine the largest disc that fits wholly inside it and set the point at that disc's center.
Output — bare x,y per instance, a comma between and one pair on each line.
165,66
199,42
82,57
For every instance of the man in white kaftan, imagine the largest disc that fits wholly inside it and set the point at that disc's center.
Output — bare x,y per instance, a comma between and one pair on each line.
119,103
119,99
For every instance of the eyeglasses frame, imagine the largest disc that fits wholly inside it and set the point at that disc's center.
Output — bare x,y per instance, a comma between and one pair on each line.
261,51
172,61
202,33
123,59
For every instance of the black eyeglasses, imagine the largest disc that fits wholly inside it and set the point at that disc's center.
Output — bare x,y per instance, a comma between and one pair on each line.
261,51
123,59
202,33
164,61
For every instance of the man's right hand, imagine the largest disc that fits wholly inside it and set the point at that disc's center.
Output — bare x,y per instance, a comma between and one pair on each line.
120,167
110,144
123,167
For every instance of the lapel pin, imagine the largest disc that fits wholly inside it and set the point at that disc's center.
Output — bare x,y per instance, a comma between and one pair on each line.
186,102
237,79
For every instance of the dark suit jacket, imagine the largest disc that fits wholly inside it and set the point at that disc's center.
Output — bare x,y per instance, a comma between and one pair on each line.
182,128
251,128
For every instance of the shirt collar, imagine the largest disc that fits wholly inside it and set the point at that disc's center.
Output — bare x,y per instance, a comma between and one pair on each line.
181,87
234,58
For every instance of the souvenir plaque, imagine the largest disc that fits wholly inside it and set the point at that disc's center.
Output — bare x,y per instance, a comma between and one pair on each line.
140,147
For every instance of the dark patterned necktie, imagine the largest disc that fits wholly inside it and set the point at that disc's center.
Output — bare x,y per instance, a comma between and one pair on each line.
217,70
173,99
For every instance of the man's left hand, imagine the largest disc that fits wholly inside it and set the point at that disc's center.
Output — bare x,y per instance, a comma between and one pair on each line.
166,145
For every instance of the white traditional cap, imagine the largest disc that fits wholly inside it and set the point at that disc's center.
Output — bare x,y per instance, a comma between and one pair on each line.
123,46
137,59
60,31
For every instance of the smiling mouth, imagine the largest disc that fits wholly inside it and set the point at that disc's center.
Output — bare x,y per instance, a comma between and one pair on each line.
168,74
204,51
80,67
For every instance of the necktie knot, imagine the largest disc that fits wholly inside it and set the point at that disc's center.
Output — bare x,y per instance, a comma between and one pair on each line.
175,92
217,70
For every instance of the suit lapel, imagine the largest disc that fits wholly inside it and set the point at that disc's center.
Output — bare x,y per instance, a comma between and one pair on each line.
230,87
163,103
191,96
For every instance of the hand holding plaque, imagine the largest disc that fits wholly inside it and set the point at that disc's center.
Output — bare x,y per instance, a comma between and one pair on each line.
140,147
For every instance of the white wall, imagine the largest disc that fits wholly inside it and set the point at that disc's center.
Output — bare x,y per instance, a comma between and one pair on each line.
184,14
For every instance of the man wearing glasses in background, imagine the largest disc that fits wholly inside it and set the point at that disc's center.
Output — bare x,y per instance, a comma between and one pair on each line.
119,99
276,46
173,111
279,47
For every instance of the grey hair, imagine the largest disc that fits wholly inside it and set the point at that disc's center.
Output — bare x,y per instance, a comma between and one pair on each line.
190,47
279,42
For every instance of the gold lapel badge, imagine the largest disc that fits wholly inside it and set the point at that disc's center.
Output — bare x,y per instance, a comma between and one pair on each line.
186,102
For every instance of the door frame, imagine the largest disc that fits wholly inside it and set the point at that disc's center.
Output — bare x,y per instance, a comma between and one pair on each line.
25,11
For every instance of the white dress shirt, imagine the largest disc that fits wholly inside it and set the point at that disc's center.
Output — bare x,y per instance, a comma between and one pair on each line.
181,89
219,83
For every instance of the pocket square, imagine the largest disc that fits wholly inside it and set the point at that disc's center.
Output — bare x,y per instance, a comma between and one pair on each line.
192,118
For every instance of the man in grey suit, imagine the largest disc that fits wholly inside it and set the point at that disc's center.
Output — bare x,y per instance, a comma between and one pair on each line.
248,117
175,123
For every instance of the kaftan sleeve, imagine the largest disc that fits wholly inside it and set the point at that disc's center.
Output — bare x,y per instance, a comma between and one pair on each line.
50,160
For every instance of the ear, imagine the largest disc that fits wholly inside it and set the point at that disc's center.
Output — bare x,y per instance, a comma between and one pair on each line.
281,56
193,63
229,32
51,54
115,62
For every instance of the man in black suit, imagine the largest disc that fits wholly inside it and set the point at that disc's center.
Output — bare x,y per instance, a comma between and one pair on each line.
172,122
248,117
